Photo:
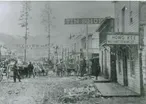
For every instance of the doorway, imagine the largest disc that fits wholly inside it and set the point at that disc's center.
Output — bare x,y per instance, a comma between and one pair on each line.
113,68
125,72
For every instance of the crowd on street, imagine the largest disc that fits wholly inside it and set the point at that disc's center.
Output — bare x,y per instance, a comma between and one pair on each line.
62,68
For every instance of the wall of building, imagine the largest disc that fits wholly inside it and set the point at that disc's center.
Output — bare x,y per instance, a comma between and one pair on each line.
144,57
132,11
130,6
95,42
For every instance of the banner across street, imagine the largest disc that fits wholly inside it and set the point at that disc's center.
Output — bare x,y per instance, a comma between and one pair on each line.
83,21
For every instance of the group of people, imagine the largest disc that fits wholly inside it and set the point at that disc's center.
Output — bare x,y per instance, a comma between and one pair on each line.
28,71
81,68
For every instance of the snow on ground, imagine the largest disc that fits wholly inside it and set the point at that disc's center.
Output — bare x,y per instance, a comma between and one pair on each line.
48,90
35,90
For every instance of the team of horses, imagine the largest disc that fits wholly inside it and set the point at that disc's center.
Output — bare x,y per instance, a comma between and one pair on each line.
24,71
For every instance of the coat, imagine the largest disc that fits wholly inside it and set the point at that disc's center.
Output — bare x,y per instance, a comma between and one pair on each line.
96,68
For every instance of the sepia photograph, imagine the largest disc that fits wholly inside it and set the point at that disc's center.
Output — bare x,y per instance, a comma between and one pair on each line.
72,52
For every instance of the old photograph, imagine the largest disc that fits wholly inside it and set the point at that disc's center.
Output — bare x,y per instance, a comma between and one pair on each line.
72,52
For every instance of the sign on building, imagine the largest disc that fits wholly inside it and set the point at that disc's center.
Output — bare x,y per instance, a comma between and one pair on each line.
71,21
122,39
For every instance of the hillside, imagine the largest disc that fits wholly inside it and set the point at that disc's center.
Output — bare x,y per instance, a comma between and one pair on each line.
11,42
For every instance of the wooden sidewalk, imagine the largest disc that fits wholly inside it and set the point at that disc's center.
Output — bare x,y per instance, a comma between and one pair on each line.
114,90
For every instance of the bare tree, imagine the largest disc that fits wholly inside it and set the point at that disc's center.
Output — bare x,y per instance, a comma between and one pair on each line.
47,22
24,17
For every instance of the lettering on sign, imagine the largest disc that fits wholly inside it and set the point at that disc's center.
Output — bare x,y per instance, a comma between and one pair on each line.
122,39
33,45
83,20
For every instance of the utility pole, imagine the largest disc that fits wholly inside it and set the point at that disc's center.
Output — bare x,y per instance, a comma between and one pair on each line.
62,53
24,16
25,50
68,54
57,52
47,22
49,36
87,44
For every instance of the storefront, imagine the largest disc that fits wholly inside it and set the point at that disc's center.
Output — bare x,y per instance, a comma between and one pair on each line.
127,58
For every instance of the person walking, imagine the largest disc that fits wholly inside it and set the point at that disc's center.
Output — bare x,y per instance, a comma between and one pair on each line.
16,73
96,68
58,69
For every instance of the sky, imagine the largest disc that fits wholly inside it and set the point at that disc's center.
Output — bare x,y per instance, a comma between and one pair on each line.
10,13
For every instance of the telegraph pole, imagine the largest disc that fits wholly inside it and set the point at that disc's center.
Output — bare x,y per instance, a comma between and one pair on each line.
26,14
87,42
48,36
87,53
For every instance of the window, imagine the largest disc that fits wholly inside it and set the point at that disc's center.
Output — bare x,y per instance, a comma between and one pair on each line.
131,17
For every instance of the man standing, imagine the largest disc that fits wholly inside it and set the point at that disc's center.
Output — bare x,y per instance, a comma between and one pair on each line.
30,69
63,68
90,68
15,72
83,67
96,68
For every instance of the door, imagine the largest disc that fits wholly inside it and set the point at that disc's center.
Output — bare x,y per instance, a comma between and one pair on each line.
125,73
113,68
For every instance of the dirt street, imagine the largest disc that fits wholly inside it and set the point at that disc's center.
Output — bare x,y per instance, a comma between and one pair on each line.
48,90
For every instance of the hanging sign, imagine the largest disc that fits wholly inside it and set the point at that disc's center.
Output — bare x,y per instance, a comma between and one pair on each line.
122,39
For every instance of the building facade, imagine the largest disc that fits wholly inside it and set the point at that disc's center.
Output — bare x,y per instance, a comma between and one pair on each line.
128,18
107,54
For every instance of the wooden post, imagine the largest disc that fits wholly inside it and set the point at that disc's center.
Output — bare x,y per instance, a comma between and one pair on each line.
140,51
